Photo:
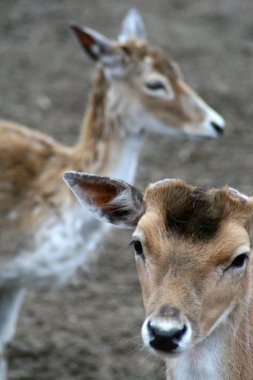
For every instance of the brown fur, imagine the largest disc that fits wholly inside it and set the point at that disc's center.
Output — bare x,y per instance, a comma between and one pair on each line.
193,212
188,268
194,260
28,184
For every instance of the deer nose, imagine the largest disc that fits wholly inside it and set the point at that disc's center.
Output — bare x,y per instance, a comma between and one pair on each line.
218,127
166,340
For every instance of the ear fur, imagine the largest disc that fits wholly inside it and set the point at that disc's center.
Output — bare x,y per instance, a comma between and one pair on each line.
132,27
109,200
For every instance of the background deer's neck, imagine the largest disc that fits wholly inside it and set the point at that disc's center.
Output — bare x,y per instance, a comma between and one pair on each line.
105,147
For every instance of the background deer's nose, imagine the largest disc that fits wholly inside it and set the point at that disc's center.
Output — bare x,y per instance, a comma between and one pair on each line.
218,128
165,340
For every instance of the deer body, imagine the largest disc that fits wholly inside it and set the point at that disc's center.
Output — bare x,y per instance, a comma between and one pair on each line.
135,90
193,250
47,214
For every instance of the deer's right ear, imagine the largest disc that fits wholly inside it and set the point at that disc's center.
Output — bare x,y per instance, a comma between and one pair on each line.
94,43
132,27
109,200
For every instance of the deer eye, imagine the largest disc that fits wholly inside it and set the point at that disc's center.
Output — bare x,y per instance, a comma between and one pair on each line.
155,86
158,87
239,261
137,247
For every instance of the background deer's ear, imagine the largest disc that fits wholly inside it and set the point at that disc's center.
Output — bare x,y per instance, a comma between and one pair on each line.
101,49
112,201
132,27
94,43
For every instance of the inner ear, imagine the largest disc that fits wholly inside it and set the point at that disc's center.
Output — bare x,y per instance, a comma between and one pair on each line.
99,193
109,200
94,43
101,49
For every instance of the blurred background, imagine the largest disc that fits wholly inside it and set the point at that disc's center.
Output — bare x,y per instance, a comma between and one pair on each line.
91,328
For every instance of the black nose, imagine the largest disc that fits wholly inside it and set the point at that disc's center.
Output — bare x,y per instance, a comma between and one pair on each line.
218,128
165,340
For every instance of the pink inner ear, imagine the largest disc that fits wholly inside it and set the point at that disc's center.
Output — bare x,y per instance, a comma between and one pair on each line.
99,194
84,38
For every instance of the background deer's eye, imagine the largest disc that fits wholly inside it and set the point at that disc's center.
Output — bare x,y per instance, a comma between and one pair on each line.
239,261
158,87
155,86
138,247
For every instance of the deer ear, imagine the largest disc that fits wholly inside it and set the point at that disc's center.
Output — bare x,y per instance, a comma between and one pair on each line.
112,201
94,43
235,193
132,27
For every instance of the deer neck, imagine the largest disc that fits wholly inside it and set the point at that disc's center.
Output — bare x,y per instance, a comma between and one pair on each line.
105,147
224,355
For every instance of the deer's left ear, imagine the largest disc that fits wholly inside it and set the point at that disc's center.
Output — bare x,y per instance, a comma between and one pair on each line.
112,201
101,49
94,43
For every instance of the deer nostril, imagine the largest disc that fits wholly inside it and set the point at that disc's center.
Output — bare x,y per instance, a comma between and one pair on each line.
152,330
178,335
219,129
165,340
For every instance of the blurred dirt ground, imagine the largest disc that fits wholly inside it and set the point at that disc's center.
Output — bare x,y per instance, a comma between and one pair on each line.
90,329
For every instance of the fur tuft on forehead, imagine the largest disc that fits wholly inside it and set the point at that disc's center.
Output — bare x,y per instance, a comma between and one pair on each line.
139,50
194,212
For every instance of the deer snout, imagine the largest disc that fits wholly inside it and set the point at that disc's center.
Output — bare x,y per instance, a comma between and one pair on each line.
219,128
214,124
165,334
205,121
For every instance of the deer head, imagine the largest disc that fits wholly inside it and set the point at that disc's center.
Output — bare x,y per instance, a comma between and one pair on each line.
157,99
192,250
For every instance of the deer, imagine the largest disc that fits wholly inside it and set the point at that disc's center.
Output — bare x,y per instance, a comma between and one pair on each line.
193,251
135,90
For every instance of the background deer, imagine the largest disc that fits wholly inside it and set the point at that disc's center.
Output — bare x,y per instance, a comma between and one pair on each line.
135,90
193,255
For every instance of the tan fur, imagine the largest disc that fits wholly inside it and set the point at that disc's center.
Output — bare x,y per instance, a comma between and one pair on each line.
193,275
193,249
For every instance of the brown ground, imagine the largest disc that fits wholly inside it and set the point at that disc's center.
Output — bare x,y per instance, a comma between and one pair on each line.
90,329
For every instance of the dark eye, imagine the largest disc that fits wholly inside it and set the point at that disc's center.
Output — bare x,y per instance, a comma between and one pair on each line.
155,86
138,247
239,261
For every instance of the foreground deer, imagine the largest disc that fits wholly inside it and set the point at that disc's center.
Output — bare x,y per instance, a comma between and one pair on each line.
193,255
135,90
